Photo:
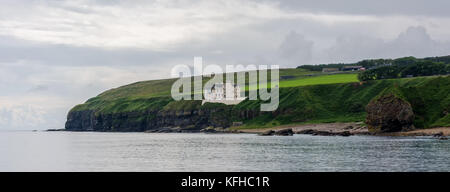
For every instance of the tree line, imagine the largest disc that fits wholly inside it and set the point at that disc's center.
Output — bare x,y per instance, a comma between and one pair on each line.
418,67
393,68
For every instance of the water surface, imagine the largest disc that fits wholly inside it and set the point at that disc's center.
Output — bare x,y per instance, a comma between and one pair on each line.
73,151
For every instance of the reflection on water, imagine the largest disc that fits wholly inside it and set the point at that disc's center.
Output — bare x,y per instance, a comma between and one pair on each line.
69,151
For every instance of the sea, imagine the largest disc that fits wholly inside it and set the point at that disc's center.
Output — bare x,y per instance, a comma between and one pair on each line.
187,152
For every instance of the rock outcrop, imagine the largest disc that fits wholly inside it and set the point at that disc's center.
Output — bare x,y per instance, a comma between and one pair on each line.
267,133
389,113
324,133
284,132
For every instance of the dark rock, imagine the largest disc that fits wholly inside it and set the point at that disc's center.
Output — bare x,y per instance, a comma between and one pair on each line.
51,130
284,132
324,133
267,133
440,136
208,131
389,113
305,132
344,133
80,121
141,121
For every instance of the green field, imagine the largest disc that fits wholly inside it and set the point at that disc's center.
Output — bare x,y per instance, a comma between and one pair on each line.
311,79
320,79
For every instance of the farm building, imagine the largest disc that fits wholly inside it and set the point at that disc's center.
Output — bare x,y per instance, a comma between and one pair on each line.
353,68
329,70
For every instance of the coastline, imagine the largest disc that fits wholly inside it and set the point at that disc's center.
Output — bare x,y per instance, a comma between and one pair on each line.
352,127
330,129
355,128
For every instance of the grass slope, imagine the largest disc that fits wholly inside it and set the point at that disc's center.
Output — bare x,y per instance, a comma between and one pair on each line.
429,97
140,95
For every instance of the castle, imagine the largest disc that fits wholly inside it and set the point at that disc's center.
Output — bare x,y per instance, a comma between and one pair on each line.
226,93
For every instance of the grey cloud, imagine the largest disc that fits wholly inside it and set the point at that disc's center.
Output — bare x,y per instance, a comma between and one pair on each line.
415,41
295,50
379,7
39,88
12,49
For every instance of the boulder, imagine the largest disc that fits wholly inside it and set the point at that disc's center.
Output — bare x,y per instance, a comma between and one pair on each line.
389,113
267,133
305,132
324,133
284,132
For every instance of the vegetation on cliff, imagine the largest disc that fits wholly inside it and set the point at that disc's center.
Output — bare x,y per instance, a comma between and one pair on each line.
305,97
135,106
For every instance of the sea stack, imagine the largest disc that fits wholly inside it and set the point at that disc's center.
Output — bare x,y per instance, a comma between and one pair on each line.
389,113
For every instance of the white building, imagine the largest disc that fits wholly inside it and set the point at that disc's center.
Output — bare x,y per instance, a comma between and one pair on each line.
226,93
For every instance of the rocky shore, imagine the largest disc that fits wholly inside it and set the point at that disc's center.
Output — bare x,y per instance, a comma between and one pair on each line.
435,132
345,129
325,129
319,129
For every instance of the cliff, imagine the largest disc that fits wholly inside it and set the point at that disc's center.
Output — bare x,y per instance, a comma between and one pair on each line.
147,106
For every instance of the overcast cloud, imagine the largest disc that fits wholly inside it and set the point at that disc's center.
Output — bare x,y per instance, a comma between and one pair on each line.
55,54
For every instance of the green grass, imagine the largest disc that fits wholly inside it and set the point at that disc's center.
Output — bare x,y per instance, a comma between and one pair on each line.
139,93
321,79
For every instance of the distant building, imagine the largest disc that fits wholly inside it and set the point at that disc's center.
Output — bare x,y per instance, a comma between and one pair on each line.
329,70
353,68
226,93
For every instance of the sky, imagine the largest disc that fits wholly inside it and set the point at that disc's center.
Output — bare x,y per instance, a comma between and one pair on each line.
55,54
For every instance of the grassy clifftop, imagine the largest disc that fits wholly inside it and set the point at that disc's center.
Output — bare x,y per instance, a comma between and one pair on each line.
305,97
147,94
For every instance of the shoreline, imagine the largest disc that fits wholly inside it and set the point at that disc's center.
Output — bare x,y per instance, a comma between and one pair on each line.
352,127
355,128
330,129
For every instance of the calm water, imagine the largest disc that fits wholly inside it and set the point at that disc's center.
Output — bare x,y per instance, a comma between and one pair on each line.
66,151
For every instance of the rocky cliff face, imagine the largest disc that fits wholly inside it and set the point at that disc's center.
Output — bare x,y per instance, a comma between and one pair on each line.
80,121
149,120
389,113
